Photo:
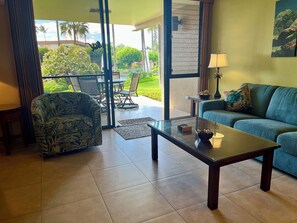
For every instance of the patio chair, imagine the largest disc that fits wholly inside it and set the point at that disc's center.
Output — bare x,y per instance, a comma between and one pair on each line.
74,83
126,101
91,86
117,87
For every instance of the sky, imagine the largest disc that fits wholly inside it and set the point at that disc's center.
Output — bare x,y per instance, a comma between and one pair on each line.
124,34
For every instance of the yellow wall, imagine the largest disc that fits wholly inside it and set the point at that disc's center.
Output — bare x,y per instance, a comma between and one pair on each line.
243,30
9,93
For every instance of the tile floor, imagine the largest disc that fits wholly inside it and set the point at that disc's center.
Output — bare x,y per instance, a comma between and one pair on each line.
118,182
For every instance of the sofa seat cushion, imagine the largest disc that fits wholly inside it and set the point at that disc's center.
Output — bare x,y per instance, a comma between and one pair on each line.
288,141
60,125
226,117
265,128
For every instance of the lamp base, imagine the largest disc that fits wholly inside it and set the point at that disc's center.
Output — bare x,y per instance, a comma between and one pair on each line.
217,95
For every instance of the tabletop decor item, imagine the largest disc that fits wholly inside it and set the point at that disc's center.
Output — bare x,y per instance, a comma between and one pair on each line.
204,134
184,128
204,95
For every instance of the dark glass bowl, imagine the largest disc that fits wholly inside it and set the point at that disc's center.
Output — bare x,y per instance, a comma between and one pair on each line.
204,135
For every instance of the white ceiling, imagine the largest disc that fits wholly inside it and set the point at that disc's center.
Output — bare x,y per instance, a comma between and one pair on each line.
127,12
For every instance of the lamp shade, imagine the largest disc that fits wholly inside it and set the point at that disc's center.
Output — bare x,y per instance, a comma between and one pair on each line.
218,60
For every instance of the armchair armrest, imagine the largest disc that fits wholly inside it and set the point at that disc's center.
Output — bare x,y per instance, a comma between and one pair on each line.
91,108
38,116
211,105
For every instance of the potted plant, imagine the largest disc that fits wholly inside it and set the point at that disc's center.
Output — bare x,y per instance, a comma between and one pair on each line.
204,95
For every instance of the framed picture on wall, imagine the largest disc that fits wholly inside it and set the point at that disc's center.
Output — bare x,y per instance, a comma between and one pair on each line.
284,42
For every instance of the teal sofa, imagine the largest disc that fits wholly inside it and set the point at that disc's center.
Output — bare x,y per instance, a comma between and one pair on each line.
273,116
66,121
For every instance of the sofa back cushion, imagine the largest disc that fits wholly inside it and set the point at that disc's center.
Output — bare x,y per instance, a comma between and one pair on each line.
60,104
260,96
283,105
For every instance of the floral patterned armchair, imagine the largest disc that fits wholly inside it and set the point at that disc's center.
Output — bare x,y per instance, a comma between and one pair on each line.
66,121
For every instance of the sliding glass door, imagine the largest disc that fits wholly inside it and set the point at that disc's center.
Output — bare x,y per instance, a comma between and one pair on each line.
108,119
74,48
181,53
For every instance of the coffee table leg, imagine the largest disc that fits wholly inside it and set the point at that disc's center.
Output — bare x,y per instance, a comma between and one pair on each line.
266,171
154,144
213,187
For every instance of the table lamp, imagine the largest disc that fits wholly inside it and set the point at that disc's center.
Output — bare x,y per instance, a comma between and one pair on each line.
218,60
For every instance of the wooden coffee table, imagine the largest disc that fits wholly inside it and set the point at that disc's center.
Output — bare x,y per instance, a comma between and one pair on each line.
235,146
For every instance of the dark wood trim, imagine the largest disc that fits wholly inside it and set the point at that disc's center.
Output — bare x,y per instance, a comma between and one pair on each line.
167,55
26,58
205,43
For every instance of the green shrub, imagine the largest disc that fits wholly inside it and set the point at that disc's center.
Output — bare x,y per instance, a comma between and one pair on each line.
68,59
127,55
56,85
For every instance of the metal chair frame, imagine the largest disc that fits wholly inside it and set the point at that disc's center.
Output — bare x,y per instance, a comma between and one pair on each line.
126,95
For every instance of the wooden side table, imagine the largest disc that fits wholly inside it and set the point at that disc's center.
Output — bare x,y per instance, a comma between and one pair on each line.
195,100
10,113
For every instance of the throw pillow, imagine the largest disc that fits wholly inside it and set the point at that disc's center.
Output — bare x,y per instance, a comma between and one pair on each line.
239,100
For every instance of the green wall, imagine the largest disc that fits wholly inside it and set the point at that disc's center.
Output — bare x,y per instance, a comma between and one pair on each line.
243,30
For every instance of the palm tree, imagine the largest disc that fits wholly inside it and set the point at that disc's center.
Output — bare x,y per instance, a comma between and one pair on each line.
82,30
58,32
74,29
154,32
42,29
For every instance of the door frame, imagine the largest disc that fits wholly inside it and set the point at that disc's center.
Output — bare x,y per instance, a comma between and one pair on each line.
107,63
168,55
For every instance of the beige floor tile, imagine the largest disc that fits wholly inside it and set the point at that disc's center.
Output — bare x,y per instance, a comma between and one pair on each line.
56,168
270,206
189,161
108,159
20,201
231,179
286,185
20,155
164,167
168,147
29,218
68,189
90,211
254,167
108,145
136,204
82,157
227,212
20,175
118,178
183,190
137,152
172,218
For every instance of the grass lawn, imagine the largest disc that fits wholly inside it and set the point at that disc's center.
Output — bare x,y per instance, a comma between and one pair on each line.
148,87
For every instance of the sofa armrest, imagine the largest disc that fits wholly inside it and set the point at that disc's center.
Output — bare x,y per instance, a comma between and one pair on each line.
211,105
